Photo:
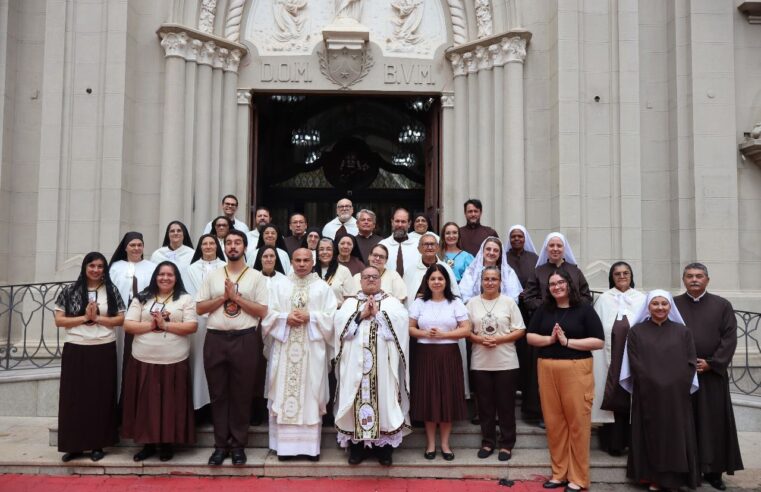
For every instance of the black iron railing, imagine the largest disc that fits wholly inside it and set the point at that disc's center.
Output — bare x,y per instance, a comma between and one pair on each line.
29,338
28,335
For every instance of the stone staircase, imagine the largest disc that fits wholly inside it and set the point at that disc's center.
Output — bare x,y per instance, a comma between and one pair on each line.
530,459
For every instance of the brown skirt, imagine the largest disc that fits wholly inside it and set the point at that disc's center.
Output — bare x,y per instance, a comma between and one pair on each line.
87,398
158,403
438,392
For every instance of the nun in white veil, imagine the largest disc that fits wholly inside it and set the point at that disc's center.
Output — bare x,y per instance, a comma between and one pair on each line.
470,285
528,244
659,370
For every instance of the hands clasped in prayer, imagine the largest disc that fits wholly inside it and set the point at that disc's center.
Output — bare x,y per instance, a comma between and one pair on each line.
91,313
298,317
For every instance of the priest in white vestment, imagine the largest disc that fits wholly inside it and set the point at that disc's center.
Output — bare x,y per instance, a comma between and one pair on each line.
300,330
372,397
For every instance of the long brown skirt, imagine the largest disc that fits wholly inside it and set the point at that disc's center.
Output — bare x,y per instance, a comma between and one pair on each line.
87,398
158,403
437,393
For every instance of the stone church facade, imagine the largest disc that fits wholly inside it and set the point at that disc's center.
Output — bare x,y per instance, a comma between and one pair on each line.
628,125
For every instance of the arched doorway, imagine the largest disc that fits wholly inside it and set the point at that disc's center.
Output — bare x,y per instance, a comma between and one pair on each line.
312,149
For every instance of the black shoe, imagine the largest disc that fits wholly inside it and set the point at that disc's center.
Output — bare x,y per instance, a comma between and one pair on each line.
313,459
145,453
71,456
485,452
475,420
166,452
549,484
284,458
356,453
429,455
447,456
385,455
239,456
505,455
715,481
97,455
218,457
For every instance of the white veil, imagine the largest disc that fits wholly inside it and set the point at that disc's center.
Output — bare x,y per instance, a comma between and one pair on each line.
470,285
529,245
567,251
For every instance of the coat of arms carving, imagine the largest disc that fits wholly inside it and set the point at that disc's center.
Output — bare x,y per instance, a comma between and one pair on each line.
345,67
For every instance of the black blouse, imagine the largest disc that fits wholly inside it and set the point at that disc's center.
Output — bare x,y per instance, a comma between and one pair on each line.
577,322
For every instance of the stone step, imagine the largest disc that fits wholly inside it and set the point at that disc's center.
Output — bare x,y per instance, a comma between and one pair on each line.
527,464
464,435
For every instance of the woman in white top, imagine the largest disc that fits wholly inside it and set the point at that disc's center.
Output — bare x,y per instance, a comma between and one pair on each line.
270,236
177,246
89,310
437,395
158,400
617,309
338,277
207,258
130,273
497,324
391,282
491,253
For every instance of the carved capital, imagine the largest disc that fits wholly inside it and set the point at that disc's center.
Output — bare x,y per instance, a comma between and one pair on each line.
458,64
484,58
244,97
514,48
220,58
194,48
471,64
447,100
206,55
174,44
497,55
232,61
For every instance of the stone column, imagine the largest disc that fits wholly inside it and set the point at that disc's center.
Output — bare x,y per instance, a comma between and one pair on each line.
202,191
228,160
243,157
471,164
219,60
172,152
514,184
498,139
191,69
460,138
448,161
484,130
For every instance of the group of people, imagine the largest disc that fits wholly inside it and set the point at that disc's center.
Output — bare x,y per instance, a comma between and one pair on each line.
380,332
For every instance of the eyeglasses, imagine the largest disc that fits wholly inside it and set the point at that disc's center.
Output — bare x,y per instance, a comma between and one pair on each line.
557,284
429,245
343,206
377,256
370,277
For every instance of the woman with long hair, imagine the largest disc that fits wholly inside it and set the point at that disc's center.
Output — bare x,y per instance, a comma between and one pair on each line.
337,276
566,331
451,252
88,310
270,236
158,400
438,320
177,246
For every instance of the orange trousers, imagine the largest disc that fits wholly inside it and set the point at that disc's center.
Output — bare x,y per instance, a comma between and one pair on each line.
566,389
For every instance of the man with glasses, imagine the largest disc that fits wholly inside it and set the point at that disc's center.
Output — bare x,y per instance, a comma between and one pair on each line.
343,223
428,247
229,208
298,226
371,340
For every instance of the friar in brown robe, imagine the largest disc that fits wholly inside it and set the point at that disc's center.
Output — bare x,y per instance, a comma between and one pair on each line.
661,364
711,319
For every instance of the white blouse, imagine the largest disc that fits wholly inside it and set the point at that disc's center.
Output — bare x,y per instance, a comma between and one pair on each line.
161,347
442,315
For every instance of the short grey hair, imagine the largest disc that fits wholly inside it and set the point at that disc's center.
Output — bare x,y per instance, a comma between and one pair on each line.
695,266
429,234
368,212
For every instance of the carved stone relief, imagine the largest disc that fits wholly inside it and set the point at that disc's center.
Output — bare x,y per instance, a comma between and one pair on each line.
483,18
206,17
291,20
349,9
408,14
345,67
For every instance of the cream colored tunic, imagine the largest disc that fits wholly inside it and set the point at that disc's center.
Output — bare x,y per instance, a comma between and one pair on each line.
161,347
229,316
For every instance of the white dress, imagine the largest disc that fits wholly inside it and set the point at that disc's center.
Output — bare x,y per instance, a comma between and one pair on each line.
180,257
193,277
